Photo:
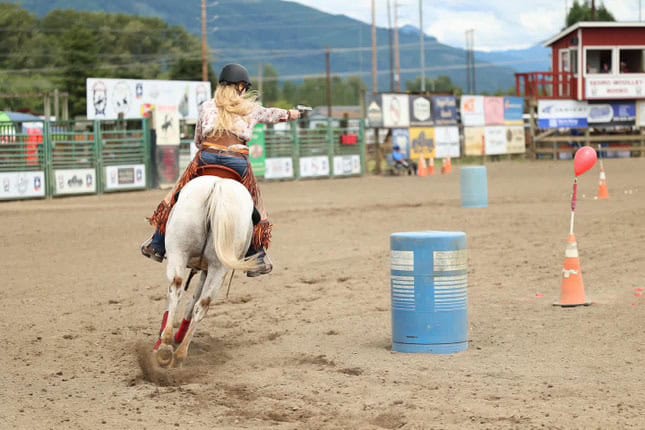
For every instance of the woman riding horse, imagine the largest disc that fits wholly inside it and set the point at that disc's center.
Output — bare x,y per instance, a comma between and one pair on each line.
224,127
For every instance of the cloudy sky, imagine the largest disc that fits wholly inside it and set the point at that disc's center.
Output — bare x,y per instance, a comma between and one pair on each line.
497,24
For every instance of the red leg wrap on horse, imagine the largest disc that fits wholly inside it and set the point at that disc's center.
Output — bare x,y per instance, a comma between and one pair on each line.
157,345
183,328
164,320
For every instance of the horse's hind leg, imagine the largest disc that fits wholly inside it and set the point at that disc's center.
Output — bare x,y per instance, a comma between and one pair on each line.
188,315
163,348
212,284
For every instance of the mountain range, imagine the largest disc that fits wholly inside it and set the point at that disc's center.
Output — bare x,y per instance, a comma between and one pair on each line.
293,38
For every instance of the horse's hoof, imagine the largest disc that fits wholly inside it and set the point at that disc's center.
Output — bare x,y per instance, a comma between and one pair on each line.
164,355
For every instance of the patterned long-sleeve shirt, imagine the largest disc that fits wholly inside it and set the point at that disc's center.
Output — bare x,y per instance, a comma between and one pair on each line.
243,126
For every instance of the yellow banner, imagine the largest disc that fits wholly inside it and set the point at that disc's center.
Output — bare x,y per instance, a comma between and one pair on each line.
422,142
473,140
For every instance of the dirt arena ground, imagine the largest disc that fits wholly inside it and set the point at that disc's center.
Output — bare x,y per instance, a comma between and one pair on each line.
309,346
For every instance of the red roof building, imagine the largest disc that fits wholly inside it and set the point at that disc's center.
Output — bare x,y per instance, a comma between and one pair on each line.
591,61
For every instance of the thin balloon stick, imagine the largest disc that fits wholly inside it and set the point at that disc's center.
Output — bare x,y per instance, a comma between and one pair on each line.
600,157
574,199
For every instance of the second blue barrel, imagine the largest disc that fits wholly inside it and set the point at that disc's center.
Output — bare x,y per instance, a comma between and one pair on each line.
474,187
429,281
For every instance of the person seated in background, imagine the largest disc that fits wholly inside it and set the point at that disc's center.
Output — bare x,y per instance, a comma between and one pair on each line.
400,162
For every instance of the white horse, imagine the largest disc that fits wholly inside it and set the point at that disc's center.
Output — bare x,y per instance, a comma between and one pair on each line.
210,228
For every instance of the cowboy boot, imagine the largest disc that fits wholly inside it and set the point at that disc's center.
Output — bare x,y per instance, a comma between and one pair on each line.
265,265
155,247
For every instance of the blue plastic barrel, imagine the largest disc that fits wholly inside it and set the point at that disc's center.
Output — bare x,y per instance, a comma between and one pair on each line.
429,280
474,187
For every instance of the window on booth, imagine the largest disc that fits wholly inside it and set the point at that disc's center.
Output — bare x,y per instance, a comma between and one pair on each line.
564,61
573,61
631,60
599,61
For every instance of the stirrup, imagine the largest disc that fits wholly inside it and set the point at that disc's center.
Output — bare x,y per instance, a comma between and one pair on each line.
265,265
147,250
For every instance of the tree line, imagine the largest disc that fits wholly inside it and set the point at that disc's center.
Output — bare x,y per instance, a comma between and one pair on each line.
62,49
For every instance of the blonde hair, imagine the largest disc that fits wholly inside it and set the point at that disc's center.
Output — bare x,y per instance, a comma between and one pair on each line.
230,103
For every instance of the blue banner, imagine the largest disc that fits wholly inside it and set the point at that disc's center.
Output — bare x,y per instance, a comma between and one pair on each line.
444,110
513,109
612,113
563,123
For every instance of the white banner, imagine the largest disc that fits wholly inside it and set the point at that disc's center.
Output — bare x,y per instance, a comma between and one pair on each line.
515,140
22,185
396,110
166,124
278,168
314,166
640,114
472,110
75,181
107,98
446,141
615,87
347,165
126,177
495,140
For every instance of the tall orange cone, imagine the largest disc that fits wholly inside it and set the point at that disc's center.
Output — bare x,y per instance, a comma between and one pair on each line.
431,167
422,170
446,167
603,191
573,289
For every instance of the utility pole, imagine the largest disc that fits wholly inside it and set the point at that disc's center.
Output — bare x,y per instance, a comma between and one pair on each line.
397,56
204,44
593,10
470,61
422,53
389,33
328,67
374,57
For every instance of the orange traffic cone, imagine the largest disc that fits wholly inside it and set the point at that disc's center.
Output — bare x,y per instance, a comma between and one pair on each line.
446,167
603,191
431,167
573,289
422,170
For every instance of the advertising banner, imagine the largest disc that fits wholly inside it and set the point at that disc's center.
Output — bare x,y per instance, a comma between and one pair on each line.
515,139
401,137
131,98
472,110
257,150
615,87
374,103
614,113
494,110
279,168
22,185
311,167
473,141
74,181
446,142
166,124
444,110
345,165
126,177
513,110
562,114
495,140
422,142
420,111
396,111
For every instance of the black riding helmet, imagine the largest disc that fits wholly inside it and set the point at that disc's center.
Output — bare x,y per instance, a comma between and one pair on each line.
234,74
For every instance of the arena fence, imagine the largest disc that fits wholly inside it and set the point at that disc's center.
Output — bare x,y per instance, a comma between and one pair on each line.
50,159
45,159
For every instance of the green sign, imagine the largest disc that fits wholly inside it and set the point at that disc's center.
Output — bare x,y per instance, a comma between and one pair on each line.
257,150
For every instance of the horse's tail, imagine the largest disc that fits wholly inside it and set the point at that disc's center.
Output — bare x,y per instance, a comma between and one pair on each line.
224,218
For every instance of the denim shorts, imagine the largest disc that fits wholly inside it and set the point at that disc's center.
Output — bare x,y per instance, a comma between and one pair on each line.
240,165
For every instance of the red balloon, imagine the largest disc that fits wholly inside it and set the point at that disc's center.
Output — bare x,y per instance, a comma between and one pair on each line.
584,160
